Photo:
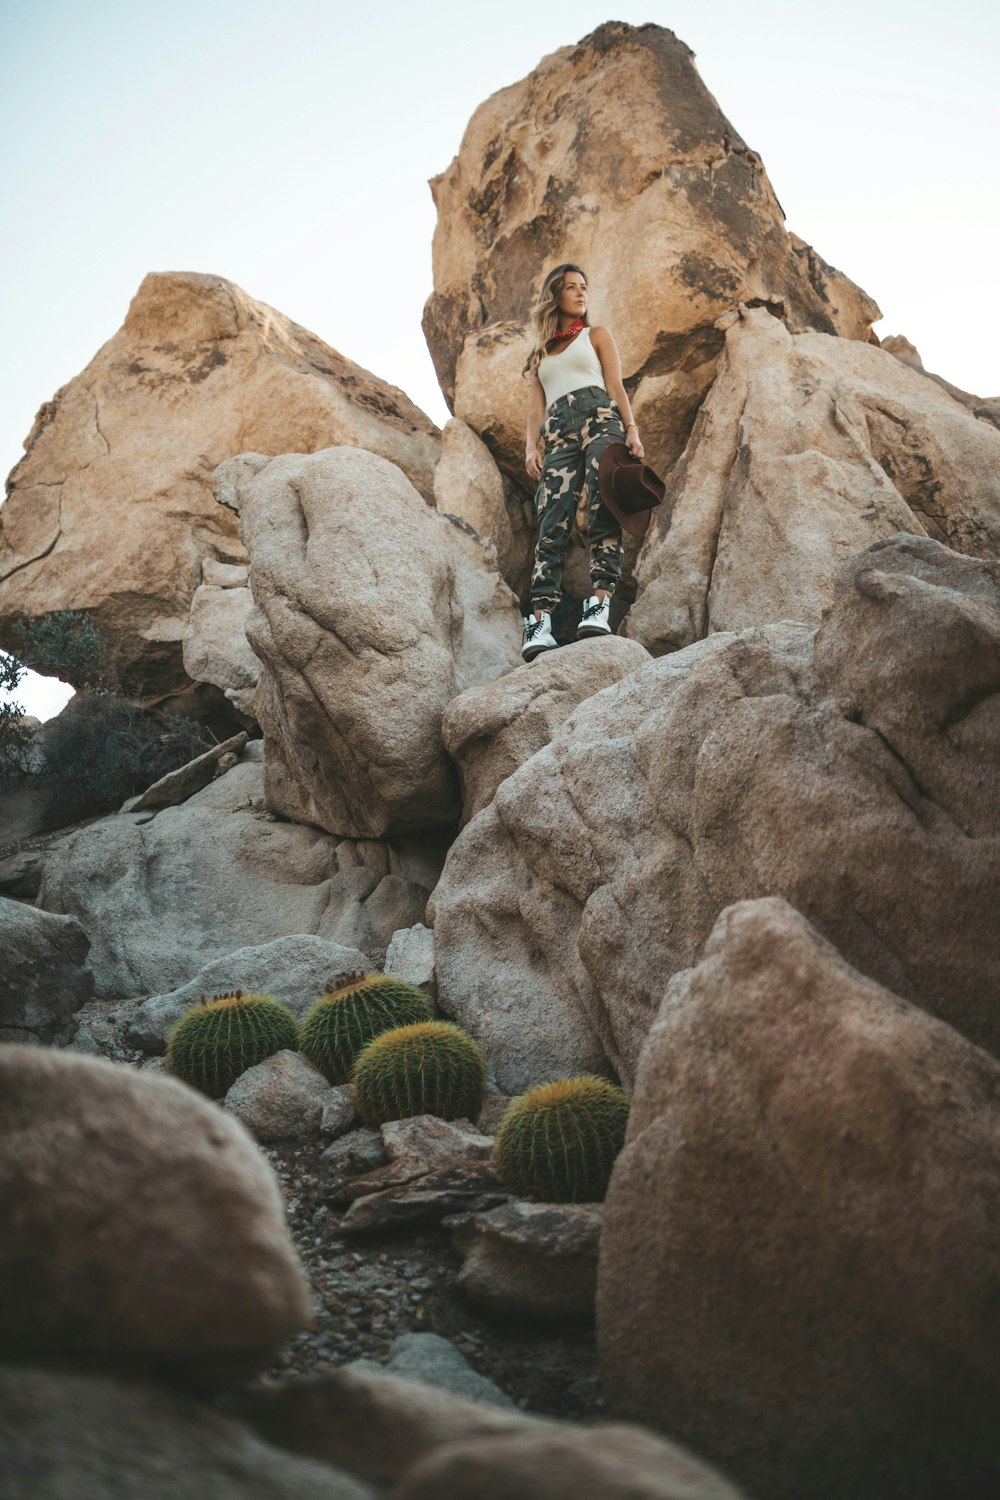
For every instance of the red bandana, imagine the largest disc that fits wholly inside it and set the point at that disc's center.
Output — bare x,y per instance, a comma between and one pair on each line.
571,332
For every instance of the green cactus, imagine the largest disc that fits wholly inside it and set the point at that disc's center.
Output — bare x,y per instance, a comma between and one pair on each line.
558,1142
219,1039
431,1068
348,1017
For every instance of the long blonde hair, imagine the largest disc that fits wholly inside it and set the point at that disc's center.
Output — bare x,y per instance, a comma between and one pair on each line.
545,313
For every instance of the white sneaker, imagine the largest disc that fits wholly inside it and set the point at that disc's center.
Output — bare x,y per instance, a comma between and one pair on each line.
538,636
595,617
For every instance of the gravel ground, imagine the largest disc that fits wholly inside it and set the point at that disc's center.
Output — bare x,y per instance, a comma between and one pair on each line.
367,1291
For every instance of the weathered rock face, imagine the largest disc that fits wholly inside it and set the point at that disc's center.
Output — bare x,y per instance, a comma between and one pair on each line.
551,170
468,484
161,899
854,782
490,731
120,1190
799,1269
45,977
119,464
371,613
807,450
986,408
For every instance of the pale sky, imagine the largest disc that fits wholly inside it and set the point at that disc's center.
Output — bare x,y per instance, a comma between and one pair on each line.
287,146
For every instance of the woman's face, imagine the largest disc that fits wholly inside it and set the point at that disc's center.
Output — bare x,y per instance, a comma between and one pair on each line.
573,296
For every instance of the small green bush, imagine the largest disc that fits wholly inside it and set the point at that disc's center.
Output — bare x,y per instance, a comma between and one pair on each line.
558,1142
347,1018
65,644
219,1039
102,749
430,1068
15,740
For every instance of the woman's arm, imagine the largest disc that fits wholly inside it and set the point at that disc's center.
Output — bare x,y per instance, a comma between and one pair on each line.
602,340
536,419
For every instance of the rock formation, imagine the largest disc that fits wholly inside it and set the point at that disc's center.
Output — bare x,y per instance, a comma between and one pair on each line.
747,861
160,896
806,451
669,212
799,1271
852,779
986,408
371,612
119,463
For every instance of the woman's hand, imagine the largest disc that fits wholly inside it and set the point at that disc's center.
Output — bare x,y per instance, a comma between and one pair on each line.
533,464
632,442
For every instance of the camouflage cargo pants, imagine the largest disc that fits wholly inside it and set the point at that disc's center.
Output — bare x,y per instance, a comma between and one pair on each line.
578,428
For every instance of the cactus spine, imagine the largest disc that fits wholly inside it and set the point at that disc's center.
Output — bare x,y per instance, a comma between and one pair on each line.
219,1039
352,1014
558,1142
431,1068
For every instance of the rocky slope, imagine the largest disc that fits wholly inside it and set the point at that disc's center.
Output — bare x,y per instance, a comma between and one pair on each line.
744,857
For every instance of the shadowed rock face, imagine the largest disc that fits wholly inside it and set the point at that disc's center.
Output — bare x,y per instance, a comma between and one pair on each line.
111,510
798,1269
669,212
807,450
853,778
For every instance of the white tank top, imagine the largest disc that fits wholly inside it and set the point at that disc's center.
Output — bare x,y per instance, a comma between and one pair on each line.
574,368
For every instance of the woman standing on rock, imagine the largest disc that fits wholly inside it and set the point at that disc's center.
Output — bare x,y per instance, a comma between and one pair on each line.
576,408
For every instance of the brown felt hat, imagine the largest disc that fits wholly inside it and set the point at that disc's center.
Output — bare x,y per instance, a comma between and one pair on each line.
629,488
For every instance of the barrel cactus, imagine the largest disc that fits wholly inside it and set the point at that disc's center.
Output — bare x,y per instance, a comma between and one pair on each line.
431,1068
558,1142
348,1017
219,1039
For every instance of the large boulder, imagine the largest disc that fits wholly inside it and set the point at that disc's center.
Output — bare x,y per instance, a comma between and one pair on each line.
669,212
159,899
807,450
45,975
64,1434
119,463
372,612
489,731
856,780
140,1222
800,1260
